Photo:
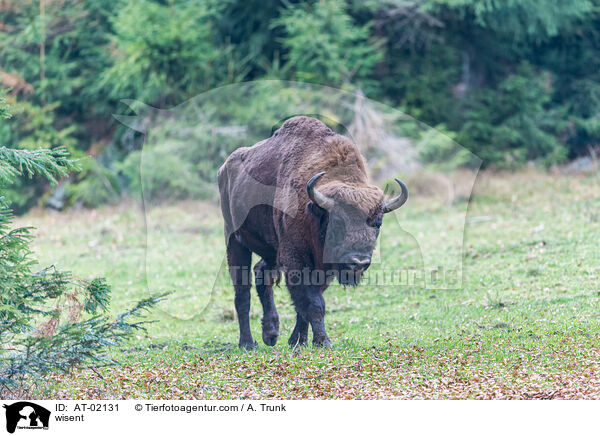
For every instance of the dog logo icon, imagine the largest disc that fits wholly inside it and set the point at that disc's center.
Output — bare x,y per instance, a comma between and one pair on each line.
26,415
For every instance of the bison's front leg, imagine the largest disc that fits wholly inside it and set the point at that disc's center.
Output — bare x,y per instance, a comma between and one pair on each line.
300,334
316,315
310,304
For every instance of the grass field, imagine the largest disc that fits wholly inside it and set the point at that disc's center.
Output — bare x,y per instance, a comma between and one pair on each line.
525,323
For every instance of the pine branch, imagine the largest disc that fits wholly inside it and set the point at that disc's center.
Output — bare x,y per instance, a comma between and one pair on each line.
50,163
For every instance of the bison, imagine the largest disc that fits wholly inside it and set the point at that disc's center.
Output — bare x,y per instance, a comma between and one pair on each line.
301,201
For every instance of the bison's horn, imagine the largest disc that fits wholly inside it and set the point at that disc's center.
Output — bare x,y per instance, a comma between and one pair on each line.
320,199
396,202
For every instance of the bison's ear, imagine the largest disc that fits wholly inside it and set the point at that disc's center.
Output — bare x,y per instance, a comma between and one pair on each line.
315,209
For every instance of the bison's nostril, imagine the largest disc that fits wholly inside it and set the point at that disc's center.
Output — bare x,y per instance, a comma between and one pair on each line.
359,264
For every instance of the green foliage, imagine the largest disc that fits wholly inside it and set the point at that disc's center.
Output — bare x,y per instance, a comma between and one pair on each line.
439,148
51,92
75,36
508,78
163,52
4,109
324,45
157,181
35,126
47,163
93,185
247,28
522,19
513,124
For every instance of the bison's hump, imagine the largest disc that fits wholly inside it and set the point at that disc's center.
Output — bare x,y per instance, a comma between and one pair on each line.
304,126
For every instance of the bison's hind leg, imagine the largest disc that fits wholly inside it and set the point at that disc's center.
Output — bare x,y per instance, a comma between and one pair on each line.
239,259
266,274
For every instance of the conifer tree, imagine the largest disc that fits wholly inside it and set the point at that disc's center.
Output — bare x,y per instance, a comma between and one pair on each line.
49,321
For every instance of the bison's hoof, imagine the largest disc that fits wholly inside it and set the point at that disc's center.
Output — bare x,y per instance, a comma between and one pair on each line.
322,343
270,331
270,339
296,340
248,345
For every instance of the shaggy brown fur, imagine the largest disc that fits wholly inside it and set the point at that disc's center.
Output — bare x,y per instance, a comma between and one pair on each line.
267,211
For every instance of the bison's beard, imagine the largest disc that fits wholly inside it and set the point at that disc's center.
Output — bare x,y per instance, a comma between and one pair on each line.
348,277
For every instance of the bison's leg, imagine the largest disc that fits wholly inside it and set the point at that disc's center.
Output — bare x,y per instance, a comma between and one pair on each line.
310,304
239,259
265,276
300,334
316,315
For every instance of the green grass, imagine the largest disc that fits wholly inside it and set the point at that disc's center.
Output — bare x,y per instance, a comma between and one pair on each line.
525,323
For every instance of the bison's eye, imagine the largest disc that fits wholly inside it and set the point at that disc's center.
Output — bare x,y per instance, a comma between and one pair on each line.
375,222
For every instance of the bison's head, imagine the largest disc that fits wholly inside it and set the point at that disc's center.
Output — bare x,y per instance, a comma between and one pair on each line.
349,218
